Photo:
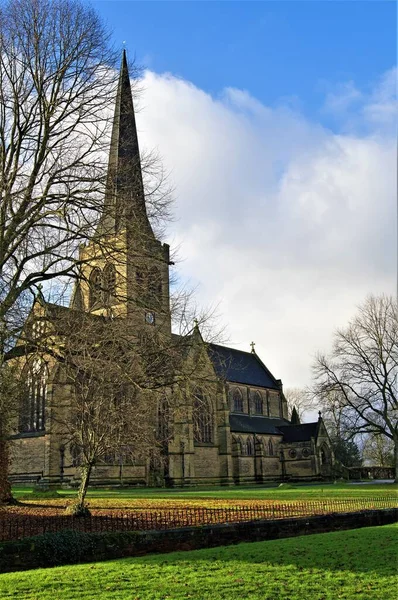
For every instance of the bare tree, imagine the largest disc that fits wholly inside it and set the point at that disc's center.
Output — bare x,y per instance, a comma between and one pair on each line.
359,378
11,388
56,81
379,450
300,399
56,77
117,383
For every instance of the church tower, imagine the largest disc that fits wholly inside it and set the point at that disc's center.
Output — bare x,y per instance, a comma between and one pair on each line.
125,268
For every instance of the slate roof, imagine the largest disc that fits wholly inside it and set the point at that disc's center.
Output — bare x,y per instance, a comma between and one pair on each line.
240,367
299,433
240,423
249,424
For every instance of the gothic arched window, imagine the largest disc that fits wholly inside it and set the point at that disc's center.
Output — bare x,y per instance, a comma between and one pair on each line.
202,417
76,454
249,446
236,445
270,447
32,415
325,455
258,403
237,401
109,282
95,286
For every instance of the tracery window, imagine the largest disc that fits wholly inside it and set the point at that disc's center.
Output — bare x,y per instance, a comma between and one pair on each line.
202,417
33,405
237,400
258,403
109,282
249,446
95,286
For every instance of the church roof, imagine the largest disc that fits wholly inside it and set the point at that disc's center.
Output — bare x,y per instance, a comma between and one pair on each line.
240,423
241,367
250,424
299,433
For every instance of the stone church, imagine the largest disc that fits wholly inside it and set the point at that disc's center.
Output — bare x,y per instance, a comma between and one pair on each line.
240,430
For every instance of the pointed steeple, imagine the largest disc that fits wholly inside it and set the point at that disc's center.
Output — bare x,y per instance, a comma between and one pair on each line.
124,195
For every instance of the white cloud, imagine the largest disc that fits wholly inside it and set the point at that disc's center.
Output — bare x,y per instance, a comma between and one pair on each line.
381,109
342,98
285,224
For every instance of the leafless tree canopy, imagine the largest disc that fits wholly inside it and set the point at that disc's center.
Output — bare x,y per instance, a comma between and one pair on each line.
300,399
120,385
57,78
358,381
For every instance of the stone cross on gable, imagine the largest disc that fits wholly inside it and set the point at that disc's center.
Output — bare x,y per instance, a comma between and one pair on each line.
252,347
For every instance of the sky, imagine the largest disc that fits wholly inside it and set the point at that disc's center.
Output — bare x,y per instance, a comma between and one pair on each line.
277,124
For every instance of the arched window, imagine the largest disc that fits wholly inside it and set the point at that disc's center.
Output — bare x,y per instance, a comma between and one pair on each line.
155,283
236,445
95,286
76,454
109,282
270,447
325,455
32,415
202,419
249,446
258,403
237,401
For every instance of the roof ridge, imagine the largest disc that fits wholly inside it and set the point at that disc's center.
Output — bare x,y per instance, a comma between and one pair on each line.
235,349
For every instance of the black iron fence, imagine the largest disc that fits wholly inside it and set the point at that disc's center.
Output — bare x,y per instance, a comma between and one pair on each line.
14,525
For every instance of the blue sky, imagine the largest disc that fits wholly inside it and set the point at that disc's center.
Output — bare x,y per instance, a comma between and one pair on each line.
287,51
277,123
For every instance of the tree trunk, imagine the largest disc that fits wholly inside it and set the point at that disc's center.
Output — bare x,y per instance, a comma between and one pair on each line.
5,486
85,473
396,459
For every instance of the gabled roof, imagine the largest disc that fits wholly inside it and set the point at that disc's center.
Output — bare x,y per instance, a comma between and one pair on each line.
240,423
250,424
299,433
240,367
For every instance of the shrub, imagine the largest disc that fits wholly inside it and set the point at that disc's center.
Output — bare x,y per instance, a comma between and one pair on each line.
78,510
64,547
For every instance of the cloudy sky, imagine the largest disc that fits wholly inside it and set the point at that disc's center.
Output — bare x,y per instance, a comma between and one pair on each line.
277,122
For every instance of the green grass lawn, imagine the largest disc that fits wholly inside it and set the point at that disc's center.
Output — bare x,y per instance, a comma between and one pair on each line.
360,563
260,492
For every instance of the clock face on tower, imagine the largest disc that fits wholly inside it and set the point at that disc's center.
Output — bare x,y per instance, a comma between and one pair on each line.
150,318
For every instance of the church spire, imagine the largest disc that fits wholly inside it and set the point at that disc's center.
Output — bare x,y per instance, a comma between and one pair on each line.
124,195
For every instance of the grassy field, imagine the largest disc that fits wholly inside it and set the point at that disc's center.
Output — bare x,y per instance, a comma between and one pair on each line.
139,497
359,564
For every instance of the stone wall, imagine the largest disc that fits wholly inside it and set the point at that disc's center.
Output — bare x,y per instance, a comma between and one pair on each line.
29,454
206,463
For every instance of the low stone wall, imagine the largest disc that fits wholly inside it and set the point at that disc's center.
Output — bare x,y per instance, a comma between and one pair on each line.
68,547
